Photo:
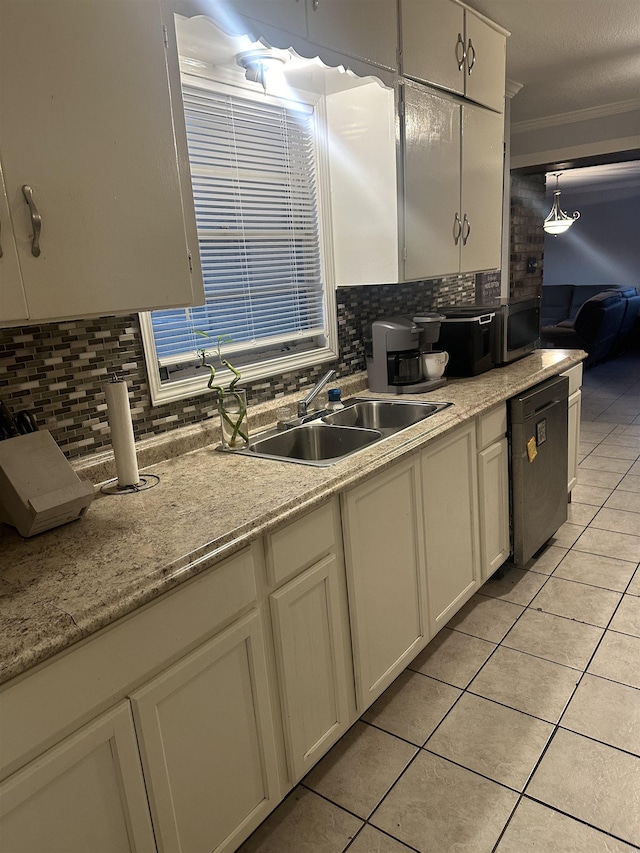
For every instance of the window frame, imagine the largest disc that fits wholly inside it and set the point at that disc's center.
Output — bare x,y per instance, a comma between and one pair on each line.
286,362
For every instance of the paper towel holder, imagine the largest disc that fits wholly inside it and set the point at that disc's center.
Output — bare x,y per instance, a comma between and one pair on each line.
146,481
129,480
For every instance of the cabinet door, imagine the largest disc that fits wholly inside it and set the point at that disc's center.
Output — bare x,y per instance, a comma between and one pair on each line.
482,175
89,127
575,407
311,634
431,184
364,198
86,794
485,64
287,15
433,44
449,481
385,577
493,488
207,743
364,29
13,305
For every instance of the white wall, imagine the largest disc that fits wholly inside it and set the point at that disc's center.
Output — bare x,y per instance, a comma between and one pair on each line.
583,133
602,247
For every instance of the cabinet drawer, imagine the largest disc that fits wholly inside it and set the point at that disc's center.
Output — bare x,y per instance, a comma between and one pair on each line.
492,426
47,703
302,543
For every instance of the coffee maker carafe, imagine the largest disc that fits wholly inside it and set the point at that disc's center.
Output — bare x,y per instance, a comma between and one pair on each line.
394,359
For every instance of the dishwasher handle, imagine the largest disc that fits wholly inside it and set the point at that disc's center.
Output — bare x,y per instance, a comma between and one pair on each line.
546,407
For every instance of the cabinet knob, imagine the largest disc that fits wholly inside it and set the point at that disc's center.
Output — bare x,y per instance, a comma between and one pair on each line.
471,57
36,220
460,56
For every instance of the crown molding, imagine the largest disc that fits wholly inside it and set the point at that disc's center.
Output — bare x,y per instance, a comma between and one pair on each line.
512,87
587,114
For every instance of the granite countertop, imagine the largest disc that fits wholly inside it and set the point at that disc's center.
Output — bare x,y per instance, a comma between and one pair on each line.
60,586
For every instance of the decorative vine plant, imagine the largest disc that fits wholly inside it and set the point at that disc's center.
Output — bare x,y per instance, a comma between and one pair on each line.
232,402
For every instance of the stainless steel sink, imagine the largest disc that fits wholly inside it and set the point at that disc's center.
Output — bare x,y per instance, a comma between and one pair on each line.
382,414
327,437
314,443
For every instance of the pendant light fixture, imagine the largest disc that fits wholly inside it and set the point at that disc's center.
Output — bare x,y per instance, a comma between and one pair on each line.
557,222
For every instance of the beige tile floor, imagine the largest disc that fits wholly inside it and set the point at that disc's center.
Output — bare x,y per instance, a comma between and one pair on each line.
518,728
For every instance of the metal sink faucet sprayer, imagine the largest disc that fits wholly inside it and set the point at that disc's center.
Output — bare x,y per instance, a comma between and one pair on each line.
303,404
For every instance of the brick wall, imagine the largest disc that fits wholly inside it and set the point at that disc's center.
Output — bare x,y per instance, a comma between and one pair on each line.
527,234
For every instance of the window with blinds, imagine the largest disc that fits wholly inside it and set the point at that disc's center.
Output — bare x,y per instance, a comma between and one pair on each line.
253,172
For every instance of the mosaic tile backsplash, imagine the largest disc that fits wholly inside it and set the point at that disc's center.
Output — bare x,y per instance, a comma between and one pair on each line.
58,370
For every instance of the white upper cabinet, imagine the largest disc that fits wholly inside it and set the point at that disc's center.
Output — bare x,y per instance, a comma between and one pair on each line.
446,45
361,150
287,15
362,29
92,170
481,186
453,166
13,304
485,62
431,184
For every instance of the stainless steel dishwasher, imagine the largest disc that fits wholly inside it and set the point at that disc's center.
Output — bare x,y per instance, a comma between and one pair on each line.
539,450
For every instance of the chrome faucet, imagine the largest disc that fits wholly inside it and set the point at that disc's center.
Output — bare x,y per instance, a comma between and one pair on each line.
303,404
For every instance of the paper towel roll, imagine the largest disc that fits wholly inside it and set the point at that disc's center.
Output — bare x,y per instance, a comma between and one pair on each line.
122,441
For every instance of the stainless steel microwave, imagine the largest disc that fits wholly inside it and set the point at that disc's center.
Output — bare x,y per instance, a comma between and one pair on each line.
516,328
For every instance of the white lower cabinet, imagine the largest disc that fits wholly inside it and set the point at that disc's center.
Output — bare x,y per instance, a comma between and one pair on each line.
574,375
307,594
209,730
207,743
493,488
85,794
574,410
385,576
311,636
450,512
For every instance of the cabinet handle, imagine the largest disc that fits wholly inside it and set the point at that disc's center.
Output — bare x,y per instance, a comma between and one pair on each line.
471,57
315,5
466,230
36,220
457,228
460,58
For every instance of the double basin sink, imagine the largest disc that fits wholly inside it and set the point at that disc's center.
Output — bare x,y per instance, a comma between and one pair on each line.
327,437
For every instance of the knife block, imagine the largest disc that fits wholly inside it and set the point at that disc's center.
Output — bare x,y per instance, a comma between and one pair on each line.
39,489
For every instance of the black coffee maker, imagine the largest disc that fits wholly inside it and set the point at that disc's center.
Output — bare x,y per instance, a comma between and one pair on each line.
394,354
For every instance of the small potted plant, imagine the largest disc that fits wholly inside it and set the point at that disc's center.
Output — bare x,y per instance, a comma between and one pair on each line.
232,402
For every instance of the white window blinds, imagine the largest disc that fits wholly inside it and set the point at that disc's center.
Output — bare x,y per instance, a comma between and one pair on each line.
254,187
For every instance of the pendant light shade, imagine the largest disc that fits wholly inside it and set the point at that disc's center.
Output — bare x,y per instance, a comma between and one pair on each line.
557,222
